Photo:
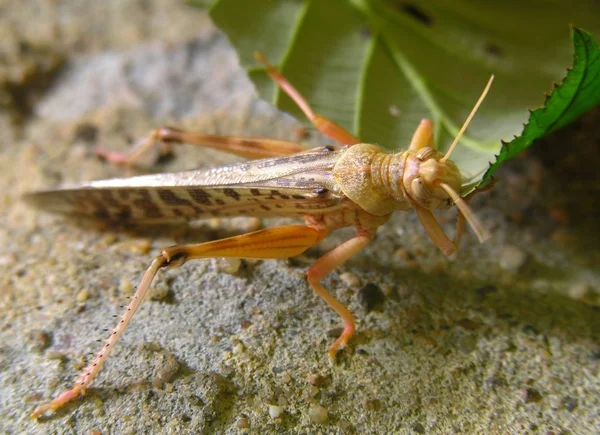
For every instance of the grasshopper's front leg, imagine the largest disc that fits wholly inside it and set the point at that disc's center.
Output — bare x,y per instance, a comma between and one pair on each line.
326,264
281,242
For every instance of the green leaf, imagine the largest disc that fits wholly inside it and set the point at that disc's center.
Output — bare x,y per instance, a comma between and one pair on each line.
578,92
377,67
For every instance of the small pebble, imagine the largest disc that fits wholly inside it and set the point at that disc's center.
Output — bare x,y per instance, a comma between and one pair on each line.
126,287
350,279
243,423
335,332
318,414
56,355
238,349
79,363
580,290
228,265
169,366
83,296
159,293
570,403
316,379
275,411
39,340
418,428
531,395
8,260
285,377
512,258
370,297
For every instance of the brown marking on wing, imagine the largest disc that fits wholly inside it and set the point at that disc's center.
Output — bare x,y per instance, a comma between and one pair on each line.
144,201
124,214
231,193
201,196
278,193
107,197
170,198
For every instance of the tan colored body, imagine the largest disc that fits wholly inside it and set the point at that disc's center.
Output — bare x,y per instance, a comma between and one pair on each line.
352,186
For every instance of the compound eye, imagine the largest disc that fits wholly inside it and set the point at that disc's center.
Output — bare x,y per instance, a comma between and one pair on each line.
426,153
420,192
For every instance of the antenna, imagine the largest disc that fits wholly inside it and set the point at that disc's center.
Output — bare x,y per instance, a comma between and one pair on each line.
480,231
469,118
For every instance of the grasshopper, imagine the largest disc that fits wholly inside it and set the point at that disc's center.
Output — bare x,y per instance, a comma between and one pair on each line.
351,184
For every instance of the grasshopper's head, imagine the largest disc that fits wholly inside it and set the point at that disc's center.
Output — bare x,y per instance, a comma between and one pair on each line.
431,180
425,173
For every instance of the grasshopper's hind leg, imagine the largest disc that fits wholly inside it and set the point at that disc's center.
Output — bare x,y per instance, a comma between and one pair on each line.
324,125
250,147
281,242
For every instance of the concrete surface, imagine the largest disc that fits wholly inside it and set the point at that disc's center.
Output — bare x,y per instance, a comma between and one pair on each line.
505,338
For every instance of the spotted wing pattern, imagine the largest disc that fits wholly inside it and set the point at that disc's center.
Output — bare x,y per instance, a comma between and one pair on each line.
295,185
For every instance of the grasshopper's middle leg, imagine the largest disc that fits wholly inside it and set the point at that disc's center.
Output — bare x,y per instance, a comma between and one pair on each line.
280,242
250,147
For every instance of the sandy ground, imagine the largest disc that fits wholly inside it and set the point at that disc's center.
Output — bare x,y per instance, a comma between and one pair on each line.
505,338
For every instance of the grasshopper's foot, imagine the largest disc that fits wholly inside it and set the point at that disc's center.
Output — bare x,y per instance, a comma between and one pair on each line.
146,152
341,341
59,402
140,157
113,157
